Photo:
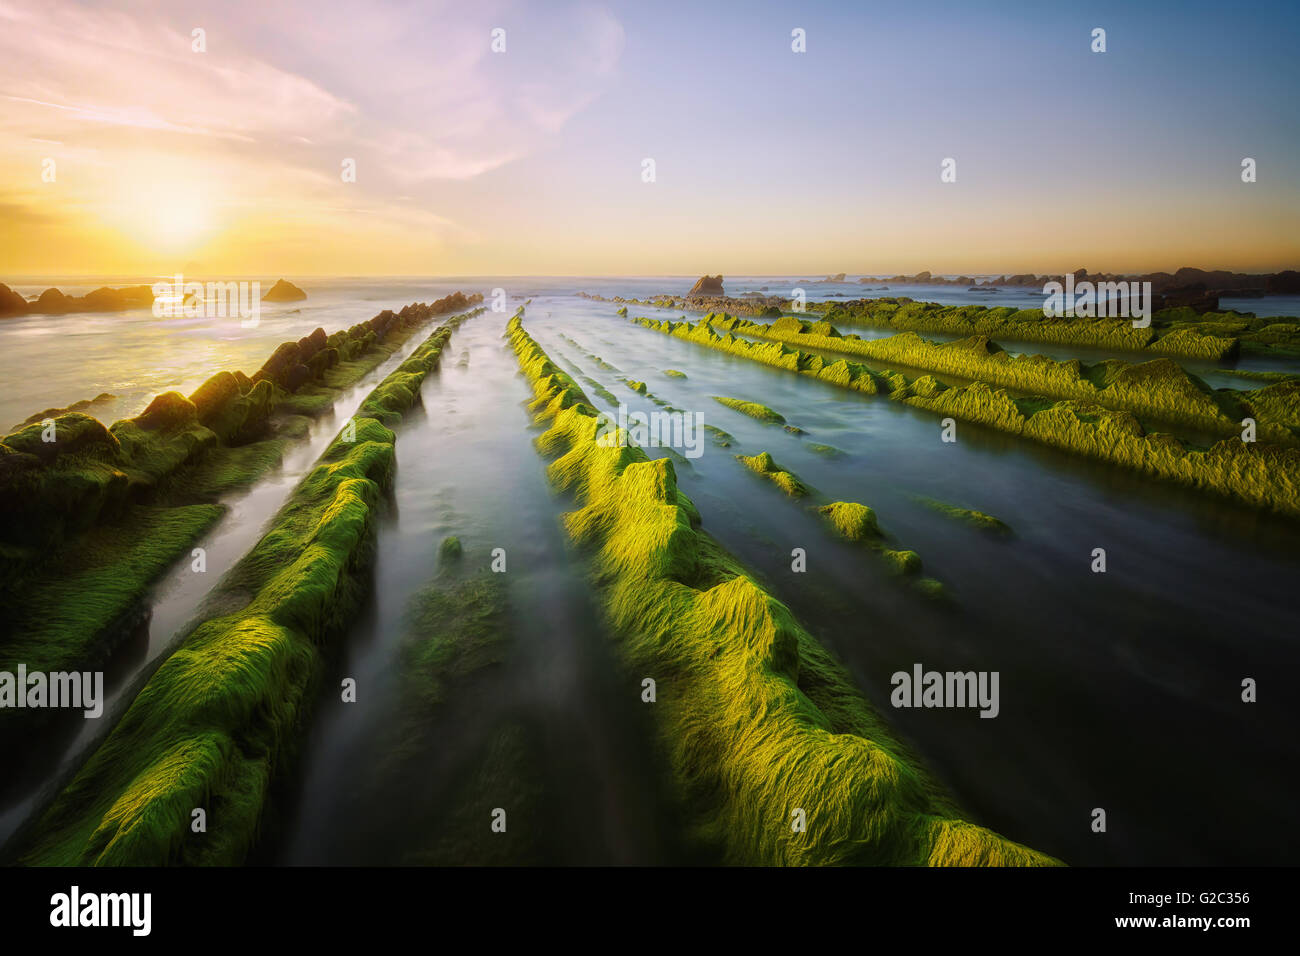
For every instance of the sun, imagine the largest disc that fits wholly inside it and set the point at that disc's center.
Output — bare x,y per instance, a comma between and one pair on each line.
174,218
163,209
178,223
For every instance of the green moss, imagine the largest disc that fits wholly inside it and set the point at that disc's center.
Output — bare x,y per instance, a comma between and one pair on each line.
851,520
762,464
719,437
1253,473
673,373
1159,389
826,451
976,519
760,720
452,631
215,724
638,387
752,409
106,511
61,622
1166,335
902,562
450,549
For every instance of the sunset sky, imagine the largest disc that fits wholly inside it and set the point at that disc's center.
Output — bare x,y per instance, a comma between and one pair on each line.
469,162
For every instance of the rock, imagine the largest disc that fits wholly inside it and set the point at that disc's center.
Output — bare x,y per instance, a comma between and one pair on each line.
210,397
1283,283
11,303
51,300
74,434
104,299
1194,297
450,549
284,291
168,410
296,377
707,285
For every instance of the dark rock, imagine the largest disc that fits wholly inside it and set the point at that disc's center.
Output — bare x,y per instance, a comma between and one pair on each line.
284,291
11,303
168,410
707,285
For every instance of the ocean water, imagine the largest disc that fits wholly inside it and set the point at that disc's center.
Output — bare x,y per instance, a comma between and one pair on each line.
1118,690
53,361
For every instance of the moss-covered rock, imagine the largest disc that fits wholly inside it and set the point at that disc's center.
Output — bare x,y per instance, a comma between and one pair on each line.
215,724
763,464
761,718
753,409
851,520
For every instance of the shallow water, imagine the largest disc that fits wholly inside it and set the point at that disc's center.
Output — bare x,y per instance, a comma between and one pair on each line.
1118,690
59,749
466,468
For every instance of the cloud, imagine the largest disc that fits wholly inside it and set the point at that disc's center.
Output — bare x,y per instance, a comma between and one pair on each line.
260,122
417,82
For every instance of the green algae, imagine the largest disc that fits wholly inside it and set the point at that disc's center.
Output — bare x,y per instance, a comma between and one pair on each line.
111,508
638,387
762,464
597,389
450,550
976,519
99,584
215,724
453,630
1167,335
673,373
1158,389
760,721
855,522
722,439
504,773
826,451
753,409
851,520
1253,473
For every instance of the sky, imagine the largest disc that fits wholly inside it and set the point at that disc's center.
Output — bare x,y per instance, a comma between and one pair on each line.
124,150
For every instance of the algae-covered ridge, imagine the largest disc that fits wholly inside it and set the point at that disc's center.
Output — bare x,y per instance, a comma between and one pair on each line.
215,725
1158,389
1178,332
753,409
852,521
1258,474
96,514
1171,331
975,519
759,722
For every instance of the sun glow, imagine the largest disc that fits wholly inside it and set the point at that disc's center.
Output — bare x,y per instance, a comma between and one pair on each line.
162,211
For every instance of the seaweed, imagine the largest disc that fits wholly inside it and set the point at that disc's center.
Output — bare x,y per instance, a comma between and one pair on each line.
976,519
215,725
1253,473
761,721
753,409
